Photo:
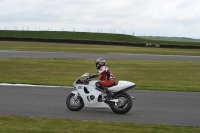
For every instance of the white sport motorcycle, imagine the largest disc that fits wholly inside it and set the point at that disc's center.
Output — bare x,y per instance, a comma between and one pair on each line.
88,95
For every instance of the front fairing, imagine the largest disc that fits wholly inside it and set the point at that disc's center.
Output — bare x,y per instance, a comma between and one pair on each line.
90,95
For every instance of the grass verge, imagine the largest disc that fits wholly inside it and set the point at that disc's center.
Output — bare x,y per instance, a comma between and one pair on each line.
10,124
88,36
148,75
85,48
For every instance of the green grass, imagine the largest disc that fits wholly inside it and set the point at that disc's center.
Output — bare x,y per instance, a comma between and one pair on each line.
86,48
10,124
148,75
87,36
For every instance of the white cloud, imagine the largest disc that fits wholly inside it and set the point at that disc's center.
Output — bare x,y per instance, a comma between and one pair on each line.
149,17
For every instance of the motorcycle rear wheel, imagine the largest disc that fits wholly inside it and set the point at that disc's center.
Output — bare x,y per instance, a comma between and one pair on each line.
74,104
124,104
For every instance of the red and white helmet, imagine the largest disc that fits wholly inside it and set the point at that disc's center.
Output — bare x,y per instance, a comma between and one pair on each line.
100,62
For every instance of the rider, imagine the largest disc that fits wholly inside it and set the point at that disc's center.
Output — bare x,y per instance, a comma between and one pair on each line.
107,79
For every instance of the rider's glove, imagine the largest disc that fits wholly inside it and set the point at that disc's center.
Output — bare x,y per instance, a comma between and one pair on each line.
88,79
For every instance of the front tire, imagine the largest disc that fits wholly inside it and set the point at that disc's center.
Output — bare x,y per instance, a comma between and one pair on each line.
124,104
74,103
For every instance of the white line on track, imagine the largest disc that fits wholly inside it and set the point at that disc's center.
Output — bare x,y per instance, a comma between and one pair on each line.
30,85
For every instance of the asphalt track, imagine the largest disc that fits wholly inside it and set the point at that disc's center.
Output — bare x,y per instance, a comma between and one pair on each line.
151,107
31,54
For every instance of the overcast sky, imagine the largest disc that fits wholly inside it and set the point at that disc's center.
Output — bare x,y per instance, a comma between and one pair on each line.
180,18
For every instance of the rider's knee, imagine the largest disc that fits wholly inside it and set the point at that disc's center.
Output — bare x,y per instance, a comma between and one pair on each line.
98,84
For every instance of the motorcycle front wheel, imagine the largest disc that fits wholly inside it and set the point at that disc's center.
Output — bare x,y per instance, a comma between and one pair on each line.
124,104
74,103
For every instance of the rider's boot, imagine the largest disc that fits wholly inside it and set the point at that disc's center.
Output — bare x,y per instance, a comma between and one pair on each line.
108,92
105,89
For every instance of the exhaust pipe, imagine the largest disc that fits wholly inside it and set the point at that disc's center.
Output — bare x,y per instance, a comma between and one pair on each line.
132,97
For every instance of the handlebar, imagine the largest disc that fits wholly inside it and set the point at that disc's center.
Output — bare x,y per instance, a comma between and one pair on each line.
86,80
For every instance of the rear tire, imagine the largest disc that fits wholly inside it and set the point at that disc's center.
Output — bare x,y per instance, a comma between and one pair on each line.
124,104
74,104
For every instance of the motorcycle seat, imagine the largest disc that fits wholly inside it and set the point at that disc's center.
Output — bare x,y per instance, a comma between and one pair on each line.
112,85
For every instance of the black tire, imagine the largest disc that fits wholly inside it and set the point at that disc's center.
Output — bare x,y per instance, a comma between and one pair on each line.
74,104
124,104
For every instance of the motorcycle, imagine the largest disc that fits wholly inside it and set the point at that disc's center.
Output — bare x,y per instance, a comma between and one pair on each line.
88,95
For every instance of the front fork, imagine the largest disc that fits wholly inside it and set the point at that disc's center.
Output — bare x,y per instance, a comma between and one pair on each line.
75,92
